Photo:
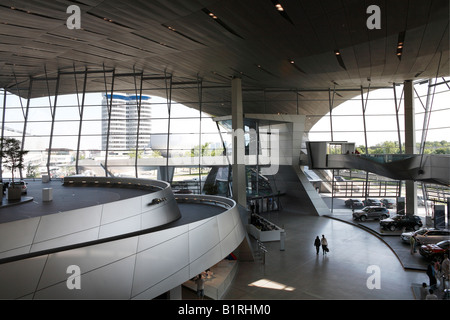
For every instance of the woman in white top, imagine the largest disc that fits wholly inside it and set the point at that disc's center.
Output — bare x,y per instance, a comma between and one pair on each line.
324,244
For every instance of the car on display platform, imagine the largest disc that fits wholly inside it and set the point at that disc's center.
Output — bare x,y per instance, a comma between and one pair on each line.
435,251
372,203
371,213
17,184
401,221
354,203
389,203
426,235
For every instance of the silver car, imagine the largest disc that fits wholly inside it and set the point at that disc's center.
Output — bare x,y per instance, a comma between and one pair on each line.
427,235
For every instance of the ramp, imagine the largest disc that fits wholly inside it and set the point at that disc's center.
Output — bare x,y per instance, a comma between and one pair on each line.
300,195
427,168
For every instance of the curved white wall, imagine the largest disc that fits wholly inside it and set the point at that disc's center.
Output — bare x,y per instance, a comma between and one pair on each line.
137,267
91,223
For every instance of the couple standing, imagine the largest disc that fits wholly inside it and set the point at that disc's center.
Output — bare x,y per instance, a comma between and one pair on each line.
321,242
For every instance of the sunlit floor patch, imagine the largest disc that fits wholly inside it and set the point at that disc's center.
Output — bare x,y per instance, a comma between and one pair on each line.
268,284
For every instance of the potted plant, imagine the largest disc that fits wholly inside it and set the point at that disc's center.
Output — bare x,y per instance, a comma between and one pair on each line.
12,155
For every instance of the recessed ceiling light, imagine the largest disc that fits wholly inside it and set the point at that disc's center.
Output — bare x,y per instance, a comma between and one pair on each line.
279,7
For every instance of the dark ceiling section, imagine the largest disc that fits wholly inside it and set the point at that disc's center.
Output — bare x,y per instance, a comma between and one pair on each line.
285,51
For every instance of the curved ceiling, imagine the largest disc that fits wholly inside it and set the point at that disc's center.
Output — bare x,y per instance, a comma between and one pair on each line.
286,57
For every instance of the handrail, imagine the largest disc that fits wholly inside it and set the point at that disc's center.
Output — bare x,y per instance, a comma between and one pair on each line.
117,182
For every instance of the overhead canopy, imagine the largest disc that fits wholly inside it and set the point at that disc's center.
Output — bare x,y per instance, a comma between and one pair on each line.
288,56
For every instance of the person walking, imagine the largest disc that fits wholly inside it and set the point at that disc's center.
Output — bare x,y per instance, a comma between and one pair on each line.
423,291
412,242
324,243
431,295
445,272
431,275
317,244
200,281
445,267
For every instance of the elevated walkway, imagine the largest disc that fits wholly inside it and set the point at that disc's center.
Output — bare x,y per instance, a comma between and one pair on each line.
427,168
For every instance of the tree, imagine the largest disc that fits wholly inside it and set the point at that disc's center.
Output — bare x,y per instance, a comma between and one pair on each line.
12,153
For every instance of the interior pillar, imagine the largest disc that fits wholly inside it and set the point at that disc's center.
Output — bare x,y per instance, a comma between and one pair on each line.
238,165
410,145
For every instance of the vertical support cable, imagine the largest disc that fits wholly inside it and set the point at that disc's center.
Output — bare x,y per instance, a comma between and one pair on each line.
430,101
200,101
364,108
30,88
3,129
257,155
53,114
397,109
169,106
80,112
331,103
109,109
138,106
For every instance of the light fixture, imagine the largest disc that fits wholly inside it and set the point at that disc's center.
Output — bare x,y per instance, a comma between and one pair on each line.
338,55
279,7
220,22
400,44
281,10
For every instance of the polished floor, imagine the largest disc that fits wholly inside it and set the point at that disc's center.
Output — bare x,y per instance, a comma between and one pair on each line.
299,273
359,266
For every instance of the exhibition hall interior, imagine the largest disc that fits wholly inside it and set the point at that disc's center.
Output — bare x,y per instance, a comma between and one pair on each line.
197,149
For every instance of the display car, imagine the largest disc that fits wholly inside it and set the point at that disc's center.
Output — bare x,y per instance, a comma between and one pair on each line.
435,251
401,221
354,203
427,235
389,203
371,213
17,184
372,203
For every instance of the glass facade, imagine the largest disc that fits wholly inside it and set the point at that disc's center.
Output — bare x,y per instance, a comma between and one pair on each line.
132,133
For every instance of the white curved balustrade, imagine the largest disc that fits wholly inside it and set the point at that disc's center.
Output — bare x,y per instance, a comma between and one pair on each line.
133,267
93,223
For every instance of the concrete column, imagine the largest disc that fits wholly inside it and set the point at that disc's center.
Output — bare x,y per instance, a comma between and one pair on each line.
410,145
238,165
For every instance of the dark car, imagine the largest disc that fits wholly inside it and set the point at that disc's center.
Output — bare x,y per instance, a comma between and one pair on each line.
373,203
402,221
371,213
354,203
435,251
388,203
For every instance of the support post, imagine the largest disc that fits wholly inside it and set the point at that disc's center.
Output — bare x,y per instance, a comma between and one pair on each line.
238,166
410,145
